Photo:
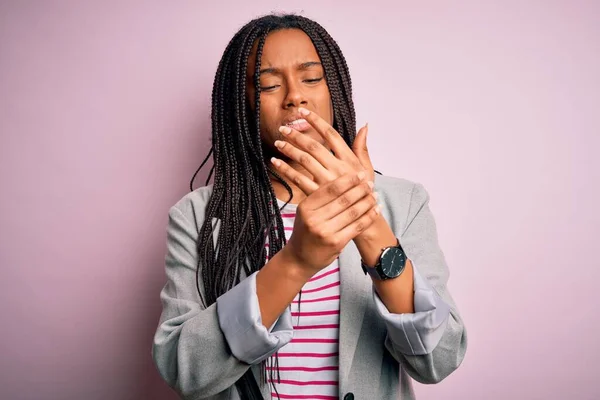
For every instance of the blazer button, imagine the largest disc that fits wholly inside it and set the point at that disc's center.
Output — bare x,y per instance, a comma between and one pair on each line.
349,396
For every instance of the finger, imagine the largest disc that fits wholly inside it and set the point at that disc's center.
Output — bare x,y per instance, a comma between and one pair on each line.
332,190
309,145
331,136
357,227
359,148
291,175
307,161
348,200
352,213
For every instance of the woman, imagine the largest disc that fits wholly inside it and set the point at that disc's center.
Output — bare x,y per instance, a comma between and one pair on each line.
356,300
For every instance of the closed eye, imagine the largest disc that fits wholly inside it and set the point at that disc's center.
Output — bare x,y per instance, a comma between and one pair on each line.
268,88
316,80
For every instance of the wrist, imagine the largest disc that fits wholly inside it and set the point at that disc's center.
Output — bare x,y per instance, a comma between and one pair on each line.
371,242
378,232
295,268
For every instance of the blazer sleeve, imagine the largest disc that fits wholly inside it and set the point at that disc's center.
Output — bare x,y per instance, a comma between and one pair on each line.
431,342
202,351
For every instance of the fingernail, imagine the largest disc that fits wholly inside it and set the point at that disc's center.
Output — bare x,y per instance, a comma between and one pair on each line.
378,209
286,130
279,144
371,184
361,175
275,162
303,111
375,195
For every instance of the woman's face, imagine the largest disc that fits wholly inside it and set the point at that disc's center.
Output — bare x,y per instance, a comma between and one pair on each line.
291,76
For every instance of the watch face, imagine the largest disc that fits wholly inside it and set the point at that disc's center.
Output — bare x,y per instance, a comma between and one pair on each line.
393,261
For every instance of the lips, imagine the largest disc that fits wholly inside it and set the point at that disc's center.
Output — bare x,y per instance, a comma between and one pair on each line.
299,124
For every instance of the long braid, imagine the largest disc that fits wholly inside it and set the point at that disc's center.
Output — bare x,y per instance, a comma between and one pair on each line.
243,199
338,79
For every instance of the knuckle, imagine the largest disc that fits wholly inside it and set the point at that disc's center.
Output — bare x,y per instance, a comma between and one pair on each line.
333,241
310,222
312,146
333,189
331,131
304,159
297,180
313,230
322,235
360,226
300,210
353,213
343,200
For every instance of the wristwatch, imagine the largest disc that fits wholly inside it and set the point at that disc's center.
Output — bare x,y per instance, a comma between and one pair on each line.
390,265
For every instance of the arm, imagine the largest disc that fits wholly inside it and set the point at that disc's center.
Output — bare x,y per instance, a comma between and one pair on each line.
277,283
200,351
190,340
396,294
431,342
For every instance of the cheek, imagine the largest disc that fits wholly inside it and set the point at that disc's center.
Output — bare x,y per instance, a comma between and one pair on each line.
269,125
268,114
326,111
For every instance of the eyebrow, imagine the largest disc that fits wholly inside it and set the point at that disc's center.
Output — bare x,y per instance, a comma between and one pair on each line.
302,66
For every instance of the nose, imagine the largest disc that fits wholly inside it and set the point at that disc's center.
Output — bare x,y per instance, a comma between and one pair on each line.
295,96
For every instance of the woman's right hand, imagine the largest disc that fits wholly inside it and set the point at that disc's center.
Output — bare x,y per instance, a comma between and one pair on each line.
329,218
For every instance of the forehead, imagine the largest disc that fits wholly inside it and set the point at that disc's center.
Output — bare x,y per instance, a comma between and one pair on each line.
283,49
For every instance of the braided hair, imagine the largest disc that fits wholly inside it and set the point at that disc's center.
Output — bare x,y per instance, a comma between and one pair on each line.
243,200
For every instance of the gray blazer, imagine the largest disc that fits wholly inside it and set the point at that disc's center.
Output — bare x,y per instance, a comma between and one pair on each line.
202,352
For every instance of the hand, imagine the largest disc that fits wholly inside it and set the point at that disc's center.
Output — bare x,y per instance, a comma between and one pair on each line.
329,218
325,166
317,159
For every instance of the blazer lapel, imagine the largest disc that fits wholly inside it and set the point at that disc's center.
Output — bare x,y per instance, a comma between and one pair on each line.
355,292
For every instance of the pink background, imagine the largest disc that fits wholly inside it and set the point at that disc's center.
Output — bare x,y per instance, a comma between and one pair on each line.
104,117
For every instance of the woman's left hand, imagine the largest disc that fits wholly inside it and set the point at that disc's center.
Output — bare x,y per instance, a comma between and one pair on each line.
317,159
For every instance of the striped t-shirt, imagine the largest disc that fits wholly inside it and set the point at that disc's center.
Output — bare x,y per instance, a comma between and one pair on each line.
308,365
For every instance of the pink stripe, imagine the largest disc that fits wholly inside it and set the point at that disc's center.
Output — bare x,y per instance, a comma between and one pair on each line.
322,287
315,278
288,215
315,355
303,396
301,383
314,313
305,369
314,340
325,326
319,299
288,228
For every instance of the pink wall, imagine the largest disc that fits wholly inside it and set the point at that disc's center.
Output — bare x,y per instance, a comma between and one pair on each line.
104,117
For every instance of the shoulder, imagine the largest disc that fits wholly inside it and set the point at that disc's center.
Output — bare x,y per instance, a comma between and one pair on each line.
399,191
192,204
